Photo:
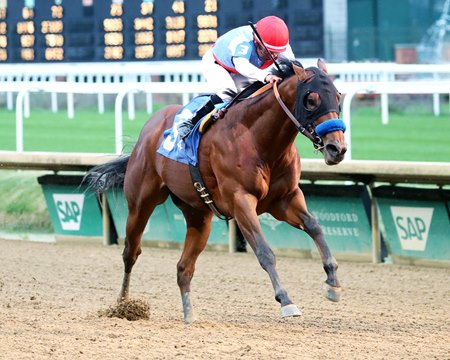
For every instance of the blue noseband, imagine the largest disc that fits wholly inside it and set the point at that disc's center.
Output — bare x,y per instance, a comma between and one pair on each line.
329,126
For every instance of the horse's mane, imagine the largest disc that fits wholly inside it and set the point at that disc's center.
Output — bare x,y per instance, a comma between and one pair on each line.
286,68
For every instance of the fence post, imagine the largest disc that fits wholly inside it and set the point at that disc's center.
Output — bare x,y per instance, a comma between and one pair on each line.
375,224
232,235
19,120
346,111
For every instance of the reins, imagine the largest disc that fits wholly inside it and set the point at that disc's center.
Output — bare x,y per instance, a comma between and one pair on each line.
317,141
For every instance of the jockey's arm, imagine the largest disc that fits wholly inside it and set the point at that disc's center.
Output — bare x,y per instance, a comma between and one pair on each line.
245,68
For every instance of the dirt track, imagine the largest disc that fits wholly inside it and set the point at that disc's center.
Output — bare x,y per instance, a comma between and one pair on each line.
51,294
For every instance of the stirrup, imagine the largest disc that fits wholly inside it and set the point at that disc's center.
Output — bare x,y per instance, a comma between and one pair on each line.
185,128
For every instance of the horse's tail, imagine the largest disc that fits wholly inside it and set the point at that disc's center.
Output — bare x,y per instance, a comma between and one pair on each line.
105,176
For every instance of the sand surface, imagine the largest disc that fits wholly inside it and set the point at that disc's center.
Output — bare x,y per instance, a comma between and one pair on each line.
51,295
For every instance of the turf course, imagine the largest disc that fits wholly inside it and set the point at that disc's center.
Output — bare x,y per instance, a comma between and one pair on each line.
414,134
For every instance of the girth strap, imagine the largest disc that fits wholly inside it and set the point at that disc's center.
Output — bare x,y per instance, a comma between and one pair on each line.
203,192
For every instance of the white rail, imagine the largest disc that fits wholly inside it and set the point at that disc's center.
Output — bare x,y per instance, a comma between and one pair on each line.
116,74
372,72
190,71
181,71
97,73
312,169
120,90
188,89
385,88
185,77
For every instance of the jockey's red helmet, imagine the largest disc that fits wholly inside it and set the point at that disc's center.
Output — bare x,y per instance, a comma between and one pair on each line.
274,33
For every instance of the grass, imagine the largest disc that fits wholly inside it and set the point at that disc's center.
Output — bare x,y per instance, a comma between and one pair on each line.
89,131
413,134
22,205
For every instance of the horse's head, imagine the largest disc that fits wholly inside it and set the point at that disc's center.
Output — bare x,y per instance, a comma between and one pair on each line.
317,111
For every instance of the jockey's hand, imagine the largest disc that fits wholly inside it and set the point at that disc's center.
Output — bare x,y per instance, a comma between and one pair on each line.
220,114
272,78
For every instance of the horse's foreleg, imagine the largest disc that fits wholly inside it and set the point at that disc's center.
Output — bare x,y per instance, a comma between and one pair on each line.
198,230
293,210
250,227
267,260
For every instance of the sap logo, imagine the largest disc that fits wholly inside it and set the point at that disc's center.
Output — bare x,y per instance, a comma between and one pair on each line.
413,226
69,208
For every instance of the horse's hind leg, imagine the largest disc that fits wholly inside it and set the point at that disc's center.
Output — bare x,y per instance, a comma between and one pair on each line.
136,221
142,200
198,230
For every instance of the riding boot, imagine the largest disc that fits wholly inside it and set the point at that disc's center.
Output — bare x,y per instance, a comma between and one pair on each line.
185,128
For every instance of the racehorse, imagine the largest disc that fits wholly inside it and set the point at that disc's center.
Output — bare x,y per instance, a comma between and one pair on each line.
250,165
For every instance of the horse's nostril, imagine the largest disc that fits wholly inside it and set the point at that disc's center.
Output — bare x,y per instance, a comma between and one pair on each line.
332,149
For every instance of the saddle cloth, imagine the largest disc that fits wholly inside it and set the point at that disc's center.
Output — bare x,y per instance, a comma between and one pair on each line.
185,151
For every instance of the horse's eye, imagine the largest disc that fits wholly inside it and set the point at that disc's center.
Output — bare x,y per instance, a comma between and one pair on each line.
311,102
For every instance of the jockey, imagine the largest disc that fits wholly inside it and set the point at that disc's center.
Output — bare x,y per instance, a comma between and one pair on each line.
238,59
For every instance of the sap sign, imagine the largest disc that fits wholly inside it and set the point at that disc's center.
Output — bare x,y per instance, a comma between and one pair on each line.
416,222
70,209
73,211
412,225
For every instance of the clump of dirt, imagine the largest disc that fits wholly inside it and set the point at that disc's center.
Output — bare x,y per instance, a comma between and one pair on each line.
132,310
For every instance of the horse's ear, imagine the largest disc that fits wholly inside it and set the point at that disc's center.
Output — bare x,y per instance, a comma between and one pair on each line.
321,65
299,71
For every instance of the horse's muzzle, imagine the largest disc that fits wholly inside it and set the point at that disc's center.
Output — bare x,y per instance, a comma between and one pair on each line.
334,152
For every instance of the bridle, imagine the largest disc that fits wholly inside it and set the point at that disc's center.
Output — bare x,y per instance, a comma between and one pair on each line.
314,134
309,133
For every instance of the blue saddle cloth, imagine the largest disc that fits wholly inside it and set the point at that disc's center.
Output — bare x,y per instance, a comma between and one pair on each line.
185,151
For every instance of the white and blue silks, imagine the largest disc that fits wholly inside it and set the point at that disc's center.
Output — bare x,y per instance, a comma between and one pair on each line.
184,151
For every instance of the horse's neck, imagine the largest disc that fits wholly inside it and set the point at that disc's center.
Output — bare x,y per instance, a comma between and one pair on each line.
273,131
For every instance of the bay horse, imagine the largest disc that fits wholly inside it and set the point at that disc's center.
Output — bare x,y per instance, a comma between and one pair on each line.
250,165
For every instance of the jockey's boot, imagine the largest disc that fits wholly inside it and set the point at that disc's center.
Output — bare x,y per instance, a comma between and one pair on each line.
185,128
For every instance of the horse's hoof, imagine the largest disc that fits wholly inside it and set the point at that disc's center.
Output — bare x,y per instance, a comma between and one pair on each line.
188,311
189,319
121,299
332,293
290,310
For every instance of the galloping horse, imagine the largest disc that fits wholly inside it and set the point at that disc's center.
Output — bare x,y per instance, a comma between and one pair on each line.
249,164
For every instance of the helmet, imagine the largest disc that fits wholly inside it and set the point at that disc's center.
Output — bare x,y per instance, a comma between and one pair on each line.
273,32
